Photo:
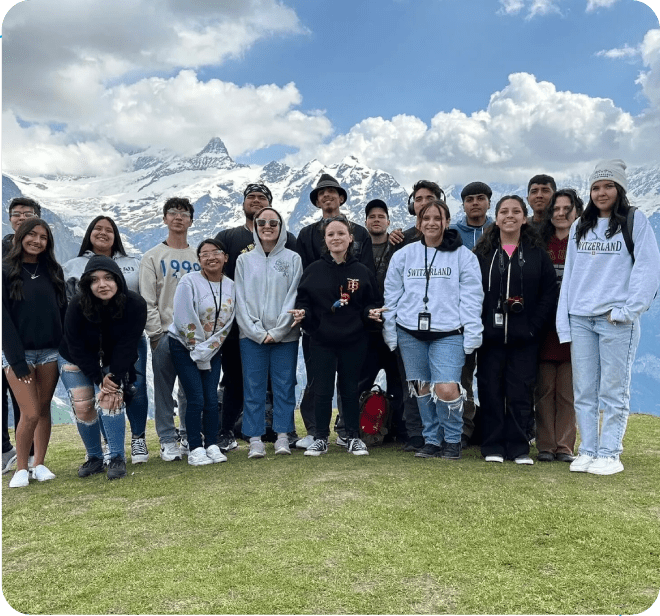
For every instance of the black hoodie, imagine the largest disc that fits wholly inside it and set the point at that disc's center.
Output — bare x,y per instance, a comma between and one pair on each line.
116,337
321,286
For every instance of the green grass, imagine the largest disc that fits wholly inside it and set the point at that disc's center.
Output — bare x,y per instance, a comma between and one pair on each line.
383,534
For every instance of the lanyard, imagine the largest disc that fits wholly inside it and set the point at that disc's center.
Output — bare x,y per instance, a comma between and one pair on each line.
427,273
215,303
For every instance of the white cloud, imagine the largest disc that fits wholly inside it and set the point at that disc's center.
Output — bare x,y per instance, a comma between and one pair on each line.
527,125
543,7
592,5
511,7
650,80
622,52
534,7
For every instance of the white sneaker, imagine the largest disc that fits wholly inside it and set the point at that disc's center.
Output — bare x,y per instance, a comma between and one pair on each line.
170,451
214,453
318,447
8,460
41,473
184,447
282,446
494,458
341,442
605,466
357,447
139,451
305,442
257,450
21,479
581,463
198,457
523,460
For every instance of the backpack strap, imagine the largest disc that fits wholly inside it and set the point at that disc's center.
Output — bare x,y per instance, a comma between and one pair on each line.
627,231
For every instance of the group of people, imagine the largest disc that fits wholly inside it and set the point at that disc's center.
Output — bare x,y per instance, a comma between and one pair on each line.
544,308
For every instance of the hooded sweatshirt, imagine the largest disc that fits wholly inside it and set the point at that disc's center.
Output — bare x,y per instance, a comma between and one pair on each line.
202,316
455,292
469,234
116,338
599,275
74,268
266,288
320,288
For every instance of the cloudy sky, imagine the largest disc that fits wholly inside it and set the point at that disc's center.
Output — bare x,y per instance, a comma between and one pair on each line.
453,91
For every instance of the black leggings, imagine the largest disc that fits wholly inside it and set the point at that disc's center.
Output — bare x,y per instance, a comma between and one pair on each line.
346,362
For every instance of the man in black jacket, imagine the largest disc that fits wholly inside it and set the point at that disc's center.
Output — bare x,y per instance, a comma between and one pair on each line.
328,196
20,209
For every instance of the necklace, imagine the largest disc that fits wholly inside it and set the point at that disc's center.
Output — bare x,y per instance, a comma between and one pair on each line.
33,275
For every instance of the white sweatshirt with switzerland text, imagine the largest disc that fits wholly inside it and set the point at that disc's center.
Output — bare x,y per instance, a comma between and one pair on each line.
599,275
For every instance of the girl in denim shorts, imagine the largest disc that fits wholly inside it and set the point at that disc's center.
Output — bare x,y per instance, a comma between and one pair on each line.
33,307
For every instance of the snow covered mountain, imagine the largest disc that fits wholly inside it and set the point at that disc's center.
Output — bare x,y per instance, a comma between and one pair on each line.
214,182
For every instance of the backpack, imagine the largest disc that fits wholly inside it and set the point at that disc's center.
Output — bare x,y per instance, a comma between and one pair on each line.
374,415
627,232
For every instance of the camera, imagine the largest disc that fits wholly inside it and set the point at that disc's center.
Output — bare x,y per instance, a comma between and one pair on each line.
515,304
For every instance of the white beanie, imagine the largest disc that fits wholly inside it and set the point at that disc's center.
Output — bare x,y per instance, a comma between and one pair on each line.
614,170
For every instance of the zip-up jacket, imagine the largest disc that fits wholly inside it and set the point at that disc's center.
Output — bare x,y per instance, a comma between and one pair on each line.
539,291
469,234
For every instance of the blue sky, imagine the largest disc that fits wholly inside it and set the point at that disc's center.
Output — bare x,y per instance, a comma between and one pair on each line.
435,88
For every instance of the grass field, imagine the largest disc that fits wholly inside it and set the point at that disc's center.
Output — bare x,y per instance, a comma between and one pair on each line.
387,533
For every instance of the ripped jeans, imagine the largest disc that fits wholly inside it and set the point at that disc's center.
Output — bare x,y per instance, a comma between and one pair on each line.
428,362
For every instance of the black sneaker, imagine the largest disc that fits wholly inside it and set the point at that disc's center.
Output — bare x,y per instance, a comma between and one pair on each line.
429,451
91,467
227,442
415,443
116,468
451,451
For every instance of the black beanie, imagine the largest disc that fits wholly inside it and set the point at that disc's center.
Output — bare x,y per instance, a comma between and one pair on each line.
327,181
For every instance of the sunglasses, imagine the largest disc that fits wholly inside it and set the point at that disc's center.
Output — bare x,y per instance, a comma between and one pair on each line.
262,222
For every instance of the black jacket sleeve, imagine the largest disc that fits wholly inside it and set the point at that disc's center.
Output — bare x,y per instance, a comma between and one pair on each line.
547,296
12,346
83,342
124,352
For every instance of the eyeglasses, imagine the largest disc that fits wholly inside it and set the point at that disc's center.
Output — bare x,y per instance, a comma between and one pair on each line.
22,214
208,255
262,222
173,212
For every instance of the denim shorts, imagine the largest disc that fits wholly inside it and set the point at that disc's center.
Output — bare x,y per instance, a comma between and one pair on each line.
35,358
431,361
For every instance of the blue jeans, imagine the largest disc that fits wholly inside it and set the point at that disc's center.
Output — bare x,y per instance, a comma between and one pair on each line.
201,388
431,362
137,410
602,355
164,377
258,361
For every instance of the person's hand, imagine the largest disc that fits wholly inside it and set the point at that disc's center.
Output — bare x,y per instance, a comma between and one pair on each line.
108,386
396,237
298,316
375,313
26,380
269,339
110,402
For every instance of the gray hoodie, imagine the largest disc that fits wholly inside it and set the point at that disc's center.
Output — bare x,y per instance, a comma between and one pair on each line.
266,288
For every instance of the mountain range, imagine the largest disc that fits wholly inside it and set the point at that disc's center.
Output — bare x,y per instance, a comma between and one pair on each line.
214,183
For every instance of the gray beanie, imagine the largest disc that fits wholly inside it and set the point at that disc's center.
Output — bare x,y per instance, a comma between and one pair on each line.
614,170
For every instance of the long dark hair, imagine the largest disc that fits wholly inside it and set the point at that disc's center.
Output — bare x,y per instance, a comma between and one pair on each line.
589,218
14,260
547,229
92,307
117,245
490,239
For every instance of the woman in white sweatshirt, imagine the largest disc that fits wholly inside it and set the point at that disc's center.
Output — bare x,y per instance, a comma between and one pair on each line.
204,305
266,285
433,295
606,288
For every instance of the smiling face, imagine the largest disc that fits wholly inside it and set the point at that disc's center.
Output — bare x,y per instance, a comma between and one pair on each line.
102,238
433,225
329,200
34,243
510,217
19,214
377,222
103,285
337,238
253,203
421,198
563,214
212,260
268,233
604,195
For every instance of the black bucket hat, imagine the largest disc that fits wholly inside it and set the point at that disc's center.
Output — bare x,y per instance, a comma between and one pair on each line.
327,181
